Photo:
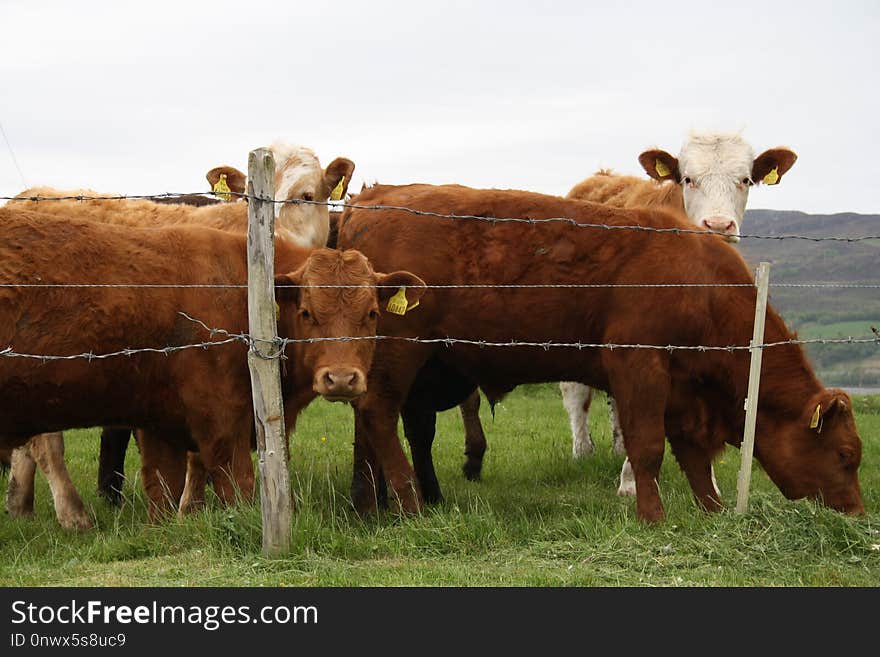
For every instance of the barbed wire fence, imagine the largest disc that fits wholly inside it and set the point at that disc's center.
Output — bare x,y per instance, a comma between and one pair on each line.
273,349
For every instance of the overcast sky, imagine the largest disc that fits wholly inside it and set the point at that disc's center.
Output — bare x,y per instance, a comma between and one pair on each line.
145,97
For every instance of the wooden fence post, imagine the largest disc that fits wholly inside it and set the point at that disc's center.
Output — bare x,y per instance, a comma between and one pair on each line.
762,281
264,365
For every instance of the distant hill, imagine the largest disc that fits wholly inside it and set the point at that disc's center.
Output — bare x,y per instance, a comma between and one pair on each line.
828,312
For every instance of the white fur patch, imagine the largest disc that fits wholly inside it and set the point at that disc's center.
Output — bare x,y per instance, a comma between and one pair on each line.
574,399
715,164
297,172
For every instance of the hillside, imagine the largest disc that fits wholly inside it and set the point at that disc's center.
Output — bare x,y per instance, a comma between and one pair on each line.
823,312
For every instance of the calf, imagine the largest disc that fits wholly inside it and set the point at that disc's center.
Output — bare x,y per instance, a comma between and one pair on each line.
804,459
195,399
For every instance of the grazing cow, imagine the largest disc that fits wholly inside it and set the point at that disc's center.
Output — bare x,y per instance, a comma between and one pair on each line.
194,399
804,458
708,184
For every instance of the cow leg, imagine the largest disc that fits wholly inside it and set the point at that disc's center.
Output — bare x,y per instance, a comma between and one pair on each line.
47,449
419,426
377,429
640,384
696,463
163,470
576,398
369,491
193,496
228,463
617,443
20,491
474,438
627,487
111,463
377,445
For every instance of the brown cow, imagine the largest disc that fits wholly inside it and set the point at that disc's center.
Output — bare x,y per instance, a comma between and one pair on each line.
818,462
298,176
707,184
194,399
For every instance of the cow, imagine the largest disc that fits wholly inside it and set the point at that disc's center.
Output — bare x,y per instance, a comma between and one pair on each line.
180,400
806,437
707,184
719,170
298,176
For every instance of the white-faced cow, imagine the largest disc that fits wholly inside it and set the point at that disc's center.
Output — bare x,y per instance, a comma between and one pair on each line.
708,183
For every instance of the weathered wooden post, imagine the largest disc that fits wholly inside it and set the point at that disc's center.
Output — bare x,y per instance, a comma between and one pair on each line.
762,281
263,359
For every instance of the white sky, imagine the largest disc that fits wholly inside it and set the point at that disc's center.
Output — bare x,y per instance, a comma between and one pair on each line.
145,97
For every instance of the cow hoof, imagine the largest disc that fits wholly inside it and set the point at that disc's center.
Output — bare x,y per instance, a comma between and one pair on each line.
19,512
651,516
112,496
581,449
472,469
78,521
408,501
17,505
364,501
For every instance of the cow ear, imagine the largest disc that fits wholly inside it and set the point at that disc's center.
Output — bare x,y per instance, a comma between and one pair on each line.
391,287
283,286
660,165
826,406
337,175
235,179
771,165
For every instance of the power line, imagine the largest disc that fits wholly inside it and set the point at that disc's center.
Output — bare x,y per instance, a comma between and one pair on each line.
12,154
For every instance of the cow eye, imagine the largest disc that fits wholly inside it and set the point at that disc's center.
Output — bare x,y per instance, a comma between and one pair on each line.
307,196
747,182
305,314
690,181
373,314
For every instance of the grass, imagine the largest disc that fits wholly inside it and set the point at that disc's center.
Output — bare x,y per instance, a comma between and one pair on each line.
538,518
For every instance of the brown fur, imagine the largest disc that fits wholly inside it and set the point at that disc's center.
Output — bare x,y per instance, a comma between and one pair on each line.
629,192
648,384
193,399
134,212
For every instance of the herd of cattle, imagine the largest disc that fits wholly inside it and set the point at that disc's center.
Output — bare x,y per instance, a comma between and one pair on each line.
151,268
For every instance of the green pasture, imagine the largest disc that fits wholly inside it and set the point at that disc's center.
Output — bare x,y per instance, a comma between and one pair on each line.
538,518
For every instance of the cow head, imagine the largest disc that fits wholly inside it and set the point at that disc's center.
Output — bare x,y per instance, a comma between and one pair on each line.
338,369
816,454
299,176
715,172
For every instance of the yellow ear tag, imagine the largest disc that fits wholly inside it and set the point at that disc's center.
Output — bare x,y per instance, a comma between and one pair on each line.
336,194
398,303
772,178
814,421
277,311
221,189
661,169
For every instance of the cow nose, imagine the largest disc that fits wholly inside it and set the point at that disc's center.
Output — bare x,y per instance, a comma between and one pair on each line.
340,380
340,383
723,225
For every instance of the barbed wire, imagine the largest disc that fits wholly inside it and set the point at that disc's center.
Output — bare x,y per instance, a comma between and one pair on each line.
462,286
9,352
281,344
439,215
